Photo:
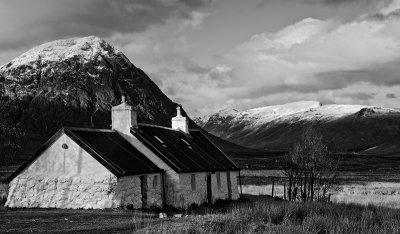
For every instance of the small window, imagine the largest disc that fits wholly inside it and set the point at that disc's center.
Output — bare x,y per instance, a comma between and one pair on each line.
155,181
219,180
193,181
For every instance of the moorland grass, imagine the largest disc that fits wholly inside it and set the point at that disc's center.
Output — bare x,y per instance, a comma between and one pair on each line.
256,215
273,216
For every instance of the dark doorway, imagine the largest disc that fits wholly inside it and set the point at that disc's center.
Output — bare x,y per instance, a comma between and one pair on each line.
228,178
209,192
143,190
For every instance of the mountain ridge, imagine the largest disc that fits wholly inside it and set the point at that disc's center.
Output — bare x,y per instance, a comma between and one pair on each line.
280,130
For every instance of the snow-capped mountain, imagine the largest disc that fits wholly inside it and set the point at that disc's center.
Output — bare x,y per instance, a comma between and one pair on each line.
347,128
74,82
257,116
80,79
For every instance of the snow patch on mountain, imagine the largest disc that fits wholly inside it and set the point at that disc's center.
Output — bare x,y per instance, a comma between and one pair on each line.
326,112
333,112
262,115
85,48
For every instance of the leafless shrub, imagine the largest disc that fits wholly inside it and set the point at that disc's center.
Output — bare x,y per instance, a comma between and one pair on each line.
310,170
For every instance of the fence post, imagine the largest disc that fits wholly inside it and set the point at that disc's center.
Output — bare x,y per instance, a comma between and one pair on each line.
284,191
273,185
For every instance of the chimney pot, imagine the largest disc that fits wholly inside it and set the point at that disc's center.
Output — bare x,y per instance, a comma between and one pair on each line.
180,122
178,111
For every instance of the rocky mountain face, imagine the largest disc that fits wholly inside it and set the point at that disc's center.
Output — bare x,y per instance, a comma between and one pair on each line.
347,129
75,82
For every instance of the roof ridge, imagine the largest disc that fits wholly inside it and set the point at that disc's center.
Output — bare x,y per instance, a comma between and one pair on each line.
158,126
89,129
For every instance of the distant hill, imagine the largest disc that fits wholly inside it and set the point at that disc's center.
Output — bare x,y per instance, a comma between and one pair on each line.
368,137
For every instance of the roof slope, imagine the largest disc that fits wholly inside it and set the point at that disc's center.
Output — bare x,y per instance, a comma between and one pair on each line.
192,152
107,147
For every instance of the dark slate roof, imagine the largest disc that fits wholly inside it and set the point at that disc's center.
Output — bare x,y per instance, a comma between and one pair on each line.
106,146
192,152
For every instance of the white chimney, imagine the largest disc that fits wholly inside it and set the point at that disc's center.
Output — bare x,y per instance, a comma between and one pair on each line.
123,117
180,122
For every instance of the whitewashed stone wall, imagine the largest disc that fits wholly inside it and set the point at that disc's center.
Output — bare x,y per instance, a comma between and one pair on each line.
234,185
81,192
128,192
219,192
222,192
71,178
171,177
62,192
154,194
186,196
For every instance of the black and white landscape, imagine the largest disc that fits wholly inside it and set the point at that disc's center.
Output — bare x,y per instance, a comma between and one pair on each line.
302,96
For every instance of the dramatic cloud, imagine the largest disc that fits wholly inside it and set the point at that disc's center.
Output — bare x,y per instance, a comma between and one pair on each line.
317,58
26,22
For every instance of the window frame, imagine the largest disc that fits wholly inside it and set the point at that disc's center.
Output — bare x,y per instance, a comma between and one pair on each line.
193,182
155,181
218,175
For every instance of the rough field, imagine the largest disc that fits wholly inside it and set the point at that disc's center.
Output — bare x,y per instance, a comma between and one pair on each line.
254,215
353,187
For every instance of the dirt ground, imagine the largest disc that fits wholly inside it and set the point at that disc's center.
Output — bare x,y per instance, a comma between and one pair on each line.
72,221
97,221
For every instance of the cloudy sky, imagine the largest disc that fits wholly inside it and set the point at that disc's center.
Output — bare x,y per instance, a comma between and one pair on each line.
214,54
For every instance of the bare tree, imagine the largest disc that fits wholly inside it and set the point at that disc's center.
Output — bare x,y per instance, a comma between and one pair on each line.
310,170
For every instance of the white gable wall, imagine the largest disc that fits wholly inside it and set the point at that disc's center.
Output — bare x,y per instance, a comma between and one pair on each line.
63,178
71,162
72,178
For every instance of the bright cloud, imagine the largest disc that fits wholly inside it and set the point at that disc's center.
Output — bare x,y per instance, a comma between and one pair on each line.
318,59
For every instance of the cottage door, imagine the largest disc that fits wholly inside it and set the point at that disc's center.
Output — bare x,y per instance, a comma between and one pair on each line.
143,190
209,192
228,177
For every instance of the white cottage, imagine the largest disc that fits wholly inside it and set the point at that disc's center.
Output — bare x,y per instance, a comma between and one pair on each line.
135,165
